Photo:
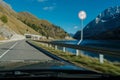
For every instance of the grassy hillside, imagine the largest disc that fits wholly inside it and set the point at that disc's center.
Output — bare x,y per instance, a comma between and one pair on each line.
25,22
44,27
13,23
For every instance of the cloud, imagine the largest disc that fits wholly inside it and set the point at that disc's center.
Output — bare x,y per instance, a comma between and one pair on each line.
48,8
75,27
42,0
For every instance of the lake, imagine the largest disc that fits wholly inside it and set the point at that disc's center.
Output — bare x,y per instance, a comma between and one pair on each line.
107,44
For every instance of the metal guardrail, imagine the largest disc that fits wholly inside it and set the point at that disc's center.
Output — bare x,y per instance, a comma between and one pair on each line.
99,51
91,49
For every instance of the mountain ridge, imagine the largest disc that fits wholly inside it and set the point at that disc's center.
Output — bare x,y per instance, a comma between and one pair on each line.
44,27
105,26
13,25
17,24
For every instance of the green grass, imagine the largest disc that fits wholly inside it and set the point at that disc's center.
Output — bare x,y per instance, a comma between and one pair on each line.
85,61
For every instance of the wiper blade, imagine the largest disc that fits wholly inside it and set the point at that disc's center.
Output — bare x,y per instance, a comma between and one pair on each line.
11,74
51,73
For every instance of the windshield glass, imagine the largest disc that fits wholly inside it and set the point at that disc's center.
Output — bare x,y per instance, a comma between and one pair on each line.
81,35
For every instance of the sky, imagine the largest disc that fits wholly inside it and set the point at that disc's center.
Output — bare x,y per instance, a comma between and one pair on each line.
63,13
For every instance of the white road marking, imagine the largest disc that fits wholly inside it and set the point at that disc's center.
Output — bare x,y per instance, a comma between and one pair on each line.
8,50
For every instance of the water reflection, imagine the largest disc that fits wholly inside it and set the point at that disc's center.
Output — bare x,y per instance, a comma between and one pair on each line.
95,43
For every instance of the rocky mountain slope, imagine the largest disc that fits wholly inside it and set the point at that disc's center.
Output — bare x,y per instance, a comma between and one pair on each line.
44,27
12,23
105,26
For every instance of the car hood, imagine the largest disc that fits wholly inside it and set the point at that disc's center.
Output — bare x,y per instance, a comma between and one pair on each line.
37,64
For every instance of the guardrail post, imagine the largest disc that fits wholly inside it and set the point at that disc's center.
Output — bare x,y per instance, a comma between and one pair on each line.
55,47
63,49
77,52
47,45
101,58
50,45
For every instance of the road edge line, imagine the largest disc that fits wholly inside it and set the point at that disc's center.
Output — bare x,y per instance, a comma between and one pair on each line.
8,50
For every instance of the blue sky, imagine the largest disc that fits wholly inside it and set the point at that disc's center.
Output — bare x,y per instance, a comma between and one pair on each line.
63,13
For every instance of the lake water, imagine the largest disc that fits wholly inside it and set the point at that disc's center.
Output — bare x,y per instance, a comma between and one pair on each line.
107,44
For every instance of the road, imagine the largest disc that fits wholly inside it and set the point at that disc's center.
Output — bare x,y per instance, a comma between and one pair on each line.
20,50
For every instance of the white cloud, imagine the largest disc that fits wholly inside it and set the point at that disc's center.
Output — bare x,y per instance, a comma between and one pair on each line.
42,0
48,8
75,27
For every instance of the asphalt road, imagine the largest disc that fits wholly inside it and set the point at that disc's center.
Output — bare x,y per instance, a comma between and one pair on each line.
20,50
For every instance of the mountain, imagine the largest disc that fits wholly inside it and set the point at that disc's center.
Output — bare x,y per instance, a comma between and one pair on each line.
77,35
43,27
12,26
71,34
105,26
12,23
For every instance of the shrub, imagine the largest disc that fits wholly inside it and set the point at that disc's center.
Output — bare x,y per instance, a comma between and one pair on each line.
4,19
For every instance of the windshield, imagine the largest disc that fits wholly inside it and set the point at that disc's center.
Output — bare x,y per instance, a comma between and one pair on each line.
78,35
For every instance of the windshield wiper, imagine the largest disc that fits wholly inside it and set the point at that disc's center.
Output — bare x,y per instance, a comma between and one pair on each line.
51,73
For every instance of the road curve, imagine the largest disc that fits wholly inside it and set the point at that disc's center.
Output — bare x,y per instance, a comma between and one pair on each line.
20,50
